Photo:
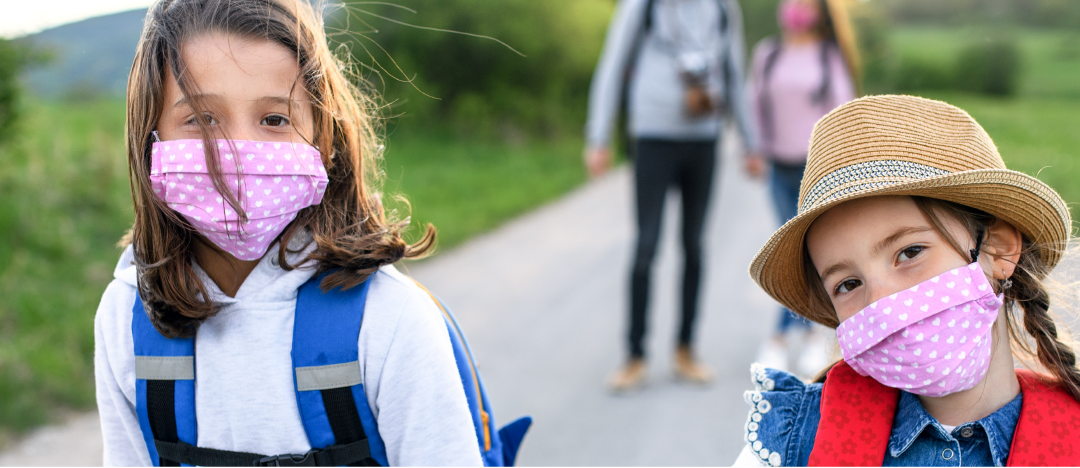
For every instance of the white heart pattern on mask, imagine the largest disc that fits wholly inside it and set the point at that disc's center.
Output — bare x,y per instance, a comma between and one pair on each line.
914,306
308,180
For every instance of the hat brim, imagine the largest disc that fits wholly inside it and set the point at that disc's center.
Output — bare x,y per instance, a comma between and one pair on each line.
1017,198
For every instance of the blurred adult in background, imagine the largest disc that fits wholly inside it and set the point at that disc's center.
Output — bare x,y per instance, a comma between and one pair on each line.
795,80
680,65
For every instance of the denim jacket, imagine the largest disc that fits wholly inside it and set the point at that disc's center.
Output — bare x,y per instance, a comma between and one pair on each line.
785,412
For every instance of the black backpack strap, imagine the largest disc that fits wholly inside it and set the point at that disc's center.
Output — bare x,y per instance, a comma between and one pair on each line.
164,385
765,107
345,423
822,92
648,14
161,408
336,455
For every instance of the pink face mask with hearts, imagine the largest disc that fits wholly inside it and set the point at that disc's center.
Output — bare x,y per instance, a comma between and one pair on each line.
274,182
932,339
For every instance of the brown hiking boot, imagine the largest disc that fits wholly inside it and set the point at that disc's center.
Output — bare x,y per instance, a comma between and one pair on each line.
629,377
689,369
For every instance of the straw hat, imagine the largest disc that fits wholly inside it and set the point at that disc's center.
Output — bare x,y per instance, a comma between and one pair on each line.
903,145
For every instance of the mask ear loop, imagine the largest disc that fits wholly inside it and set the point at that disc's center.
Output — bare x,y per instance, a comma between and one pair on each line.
978,246
975,257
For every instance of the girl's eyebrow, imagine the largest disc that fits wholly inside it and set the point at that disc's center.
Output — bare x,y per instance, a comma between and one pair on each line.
283,100
836,268
184,101
897,235
277,100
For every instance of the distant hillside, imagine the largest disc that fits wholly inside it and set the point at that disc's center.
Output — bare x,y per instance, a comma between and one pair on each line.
90,56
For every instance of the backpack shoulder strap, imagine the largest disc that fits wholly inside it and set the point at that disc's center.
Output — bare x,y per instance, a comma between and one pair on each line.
723,17
164,386
497,448
470,377
843,419
326,360
647,25
1048,430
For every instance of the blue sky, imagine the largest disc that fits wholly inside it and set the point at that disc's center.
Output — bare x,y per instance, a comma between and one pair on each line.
21,17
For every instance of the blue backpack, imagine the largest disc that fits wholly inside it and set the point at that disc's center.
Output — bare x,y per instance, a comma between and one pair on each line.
340,426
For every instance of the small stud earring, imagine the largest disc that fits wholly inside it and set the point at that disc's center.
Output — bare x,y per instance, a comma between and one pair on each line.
1007,283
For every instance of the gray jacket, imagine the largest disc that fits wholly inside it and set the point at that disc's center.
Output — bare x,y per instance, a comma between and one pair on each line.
679,28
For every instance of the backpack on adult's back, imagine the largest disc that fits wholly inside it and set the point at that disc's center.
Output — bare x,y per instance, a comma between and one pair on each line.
340,426
695,98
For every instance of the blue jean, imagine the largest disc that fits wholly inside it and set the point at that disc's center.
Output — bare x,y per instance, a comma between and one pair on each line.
784,180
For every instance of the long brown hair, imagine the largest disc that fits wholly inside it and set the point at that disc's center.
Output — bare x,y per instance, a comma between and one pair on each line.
1031,325
352,233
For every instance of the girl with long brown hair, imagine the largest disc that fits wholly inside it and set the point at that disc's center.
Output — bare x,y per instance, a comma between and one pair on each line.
253,163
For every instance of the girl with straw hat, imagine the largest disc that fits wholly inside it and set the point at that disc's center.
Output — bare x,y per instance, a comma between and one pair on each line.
929,257
795,79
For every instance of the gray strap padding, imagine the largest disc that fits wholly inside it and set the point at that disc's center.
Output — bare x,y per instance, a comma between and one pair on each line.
327,377
165,367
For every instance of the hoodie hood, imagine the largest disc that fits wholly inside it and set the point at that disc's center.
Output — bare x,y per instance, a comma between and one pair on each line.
125,271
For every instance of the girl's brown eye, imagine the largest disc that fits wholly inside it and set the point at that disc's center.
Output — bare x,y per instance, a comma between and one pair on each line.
194,121
910,253
274,121
847,285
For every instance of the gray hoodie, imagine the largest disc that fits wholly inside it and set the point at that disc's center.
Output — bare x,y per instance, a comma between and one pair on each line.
678,28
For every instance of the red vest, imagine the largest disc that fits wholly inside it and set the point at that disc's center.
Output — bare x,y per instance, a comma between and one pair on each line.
857,417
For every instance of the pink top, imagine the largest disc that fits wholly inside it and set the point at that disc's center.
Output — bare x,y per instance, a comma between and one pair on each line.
795,77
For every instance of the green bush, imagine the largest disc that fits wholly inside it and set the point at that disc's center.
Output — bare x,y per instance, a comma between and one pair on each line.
475,84
990,66
63,182
972,62
12,60
922,73
1036,13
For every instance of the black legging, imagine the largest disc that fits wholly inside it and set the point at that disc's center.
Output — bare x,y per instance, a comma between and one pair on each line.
659,165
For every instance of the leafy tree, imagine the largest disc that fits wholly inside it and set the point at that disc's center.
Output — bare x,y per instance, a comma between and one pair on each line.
530,74
12,59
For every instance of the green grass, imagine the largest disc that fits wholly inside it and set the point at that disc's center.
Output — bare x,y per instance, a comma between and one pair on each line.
1036,130
1037,136
464,189
1050,64
64,202
63,205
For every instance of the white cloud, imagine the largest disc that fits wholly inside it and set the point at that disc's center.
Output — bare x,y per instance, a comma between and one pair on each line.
21,17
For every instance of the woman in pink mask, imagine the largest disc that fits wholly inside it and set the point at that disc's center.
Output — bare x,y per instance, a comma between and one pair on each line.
795,80
253,163
931,260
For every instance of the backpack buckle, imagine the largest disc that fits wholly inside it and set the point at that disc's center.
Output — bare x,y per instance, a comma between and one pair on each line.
307,459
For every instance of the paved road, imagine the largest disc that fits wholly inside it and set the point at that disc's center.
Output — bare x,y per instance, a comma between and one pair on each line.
552,331
547,339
